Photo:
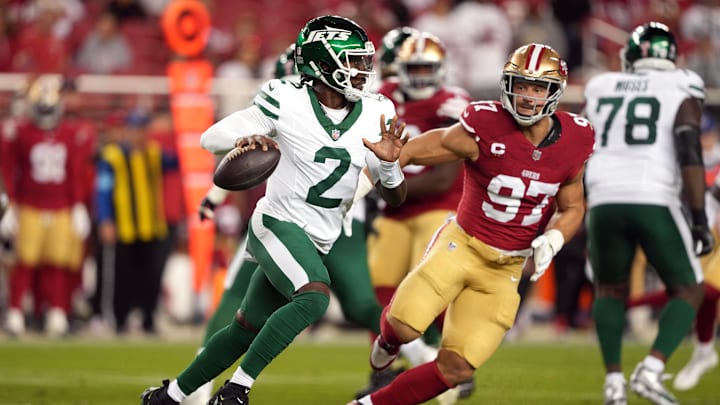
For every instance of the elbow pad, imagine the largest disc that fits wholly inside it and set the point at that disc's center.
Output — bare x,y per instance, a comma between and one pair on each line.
687,145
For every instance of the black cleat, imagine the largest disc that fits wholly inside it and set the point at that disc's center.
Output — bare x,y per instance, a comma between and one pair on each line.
378,380
157,395
230,394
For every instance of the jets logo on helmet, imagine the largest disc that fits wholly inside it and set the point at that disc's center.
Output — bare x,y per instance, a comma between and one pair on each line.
329,34
336,51
650,45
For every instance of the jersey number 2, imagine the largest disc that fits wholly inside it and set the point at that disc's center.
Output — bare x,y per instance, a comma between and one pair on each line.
315,192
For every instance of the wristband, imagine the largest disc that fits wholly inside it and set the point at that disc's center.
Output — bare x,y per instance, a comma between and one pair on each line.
216,195
698,217
390,174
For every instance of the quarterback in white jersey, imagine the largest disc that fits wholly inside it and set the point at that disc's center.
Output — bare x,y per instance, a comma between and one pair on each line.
326,127
320,163
647,162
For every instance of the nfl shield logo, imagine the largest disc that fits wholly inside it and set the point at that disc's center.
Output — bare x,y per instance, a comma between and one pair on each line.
335,134
536,154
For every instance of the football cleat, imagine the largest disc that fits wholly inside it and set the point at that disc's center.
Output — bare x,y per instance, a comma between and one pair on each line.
700,363
56,323
465,389
383,354
649,385
201,396
449,397
15,322
231,394
615,393
379,379
157,395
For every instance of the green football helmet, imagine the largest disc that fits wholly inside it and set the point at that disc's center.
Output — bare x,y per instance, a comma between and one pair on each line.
650,45
334,50
389,47
285,65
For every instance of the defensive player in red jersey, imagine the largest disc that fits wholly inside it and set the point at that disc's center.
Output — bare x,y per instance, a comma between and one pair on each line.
521,159
43,161
402,233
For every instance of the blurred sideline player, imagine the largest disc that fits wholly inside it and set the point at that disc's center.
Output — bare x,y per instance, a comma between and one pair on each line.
44,161
346,263
401,234
647,158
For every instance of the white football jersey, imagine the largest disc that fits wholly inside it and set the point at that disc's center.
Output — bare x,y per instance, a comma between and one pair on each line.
315,180
633,115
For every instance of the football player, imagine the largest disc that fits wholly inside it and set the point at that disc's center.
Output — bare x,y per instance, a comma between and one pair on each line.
44,161
648,136
346,263
521,158
326,128
423,102
390,44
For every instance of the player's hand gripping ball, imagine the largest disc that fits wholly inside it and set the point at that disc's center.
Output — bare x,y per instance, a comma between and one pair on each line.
253,160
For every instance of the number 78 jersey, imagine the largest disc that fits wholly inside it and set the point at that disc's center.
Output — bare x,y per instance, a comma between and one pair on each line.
512,185
634,115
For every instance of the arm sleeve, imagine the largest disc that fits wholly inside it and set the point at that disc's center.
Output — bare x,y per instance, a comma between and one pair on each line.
220,138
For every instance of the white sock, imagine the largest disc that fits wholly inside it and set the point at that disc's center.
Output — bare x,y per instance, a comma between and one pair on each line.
175,392
654,364
705,348
417,352
242,378
615,376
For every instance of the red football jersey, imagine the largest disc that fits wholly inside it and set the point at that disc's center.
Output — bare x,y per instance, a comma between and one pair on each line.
513,183
46,169
420,116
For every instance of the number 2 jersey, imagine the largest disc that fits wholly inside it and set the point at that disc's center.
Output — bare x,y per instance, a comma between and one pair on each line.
633,115
513,183
315,180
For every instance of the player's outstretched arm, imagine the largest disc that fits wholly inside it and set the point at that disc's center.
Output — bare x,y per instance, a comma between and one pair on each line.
438,146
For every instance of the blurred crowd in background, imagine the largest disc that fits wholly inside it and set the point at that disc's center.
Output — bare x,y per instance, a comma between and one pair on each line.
77,38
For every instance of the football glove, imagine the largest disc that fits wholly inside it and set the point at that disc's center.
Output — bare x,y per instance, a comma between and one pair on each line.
9,222
703,240
80,220
545,247
214,197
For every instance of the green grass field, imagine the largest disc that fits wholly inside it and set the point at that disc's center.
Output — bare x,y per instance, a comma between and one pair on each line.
81,372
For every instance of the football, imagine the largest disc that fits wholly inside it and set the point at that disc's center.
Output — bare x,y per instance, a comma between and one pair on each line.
243,168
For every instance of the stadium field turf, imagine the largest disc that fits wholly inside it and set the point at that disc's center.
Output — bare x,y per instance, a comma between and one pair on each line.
80,372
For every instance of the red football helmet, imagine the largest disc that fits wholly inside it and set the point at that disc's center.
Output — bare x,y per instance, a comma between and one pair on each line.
537,64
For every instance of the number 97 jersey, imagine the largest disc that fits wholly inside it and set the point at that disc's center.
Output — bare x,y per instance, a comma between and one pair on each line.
513,183
634,115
